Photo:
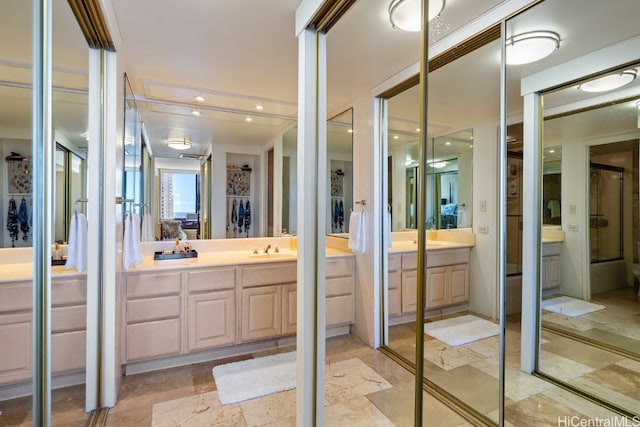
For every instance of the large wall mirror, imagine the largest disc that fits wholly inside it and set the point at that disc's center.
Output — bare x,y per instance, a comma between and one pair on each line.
339,178
587,294
450,170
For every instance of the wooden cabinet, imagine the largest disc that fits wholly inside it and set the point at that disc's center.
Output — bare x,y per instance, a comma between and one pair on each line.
261,312
153,314
394,294
68,328
447,280
289,308
211,314
339,291
550,271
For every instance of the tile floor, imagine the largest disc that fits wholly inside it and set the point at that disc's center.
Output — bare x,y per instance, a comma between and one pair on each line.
470,372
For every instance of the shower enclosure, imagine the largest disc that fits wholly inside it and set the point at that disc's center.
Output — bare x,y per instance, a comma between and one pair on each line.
605,212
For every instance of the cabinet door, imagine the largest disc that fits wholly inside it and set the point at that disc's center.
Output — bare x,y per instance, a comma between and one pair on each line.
68,351
437,284
459,283
289,308
15,348
261,312
212,319
153,339
409,289
551,271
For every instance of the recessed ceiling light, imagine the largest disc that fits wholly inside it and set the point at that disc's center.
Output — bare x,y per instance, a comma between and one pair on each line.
195,112
552,151
396,137
439,165
447,143
470,145
259,107
350,130
199,98
610,82
417,129
531,47
248,119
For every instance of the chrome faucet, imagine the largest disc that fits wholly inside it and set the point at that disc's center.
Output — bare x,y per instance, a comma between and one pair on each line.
266,250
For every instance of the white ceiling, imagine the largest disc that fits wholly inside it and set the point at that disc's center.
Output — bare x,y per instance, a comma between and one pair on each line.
241,53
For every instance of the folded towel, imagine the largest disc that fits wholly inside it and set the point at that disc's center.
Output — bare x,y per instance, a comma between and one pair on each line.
77,248
131,250
357,231
147,234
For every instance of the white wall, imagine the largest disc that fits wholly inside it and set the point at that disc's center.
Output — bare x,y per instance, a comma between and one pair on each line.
483,274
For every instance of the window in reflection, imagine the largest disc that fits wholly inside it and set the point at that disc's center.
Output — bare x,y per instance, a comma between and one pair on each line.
180,205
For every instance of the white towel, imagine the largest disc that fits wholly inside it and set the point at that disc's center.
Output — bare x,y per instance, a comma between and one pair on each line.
357,231
554,207
77,248
147,234
387,228
131,250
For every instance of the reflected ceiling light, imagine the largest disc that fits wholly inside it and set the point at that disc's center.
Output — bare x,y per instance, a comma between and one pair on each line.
439,165
396,137
199,98
248,119
259,107
86,136
610,82
179,144
531,47
447,143
350,130
195,112
417,129
406,14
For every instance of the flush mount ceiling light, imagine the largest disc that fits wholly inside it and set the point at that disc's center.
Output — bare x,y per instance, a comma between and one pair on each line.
196,112
406,14
179,144
531,47
199,98
439,165
610,82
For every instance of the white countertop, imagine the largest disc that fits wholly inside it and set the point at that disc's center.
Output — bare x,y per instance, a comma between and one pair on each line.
432,245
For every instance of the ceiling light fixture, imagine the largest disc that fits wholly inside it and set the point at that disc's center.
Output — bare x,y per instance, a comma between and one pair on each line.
349,130
439,165
396,137
179,144
406,14
610,82
248,119
259,107
531,47
195,112
199,98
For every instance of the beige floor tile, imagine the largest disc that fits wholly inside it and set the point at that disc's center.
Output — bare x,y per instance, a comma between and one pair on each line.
474,387
447,357
560,367
356,412
350,379
200,410
269,409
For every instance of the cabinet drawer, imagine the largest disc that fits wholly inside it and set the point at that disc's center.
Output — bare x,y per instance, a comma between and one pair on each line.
448,257
340,310
410,261
149,285
339,286
394,279
394,262
274,273
68,351
153,339
69,292
141,310
70,318
338,267
212,279
15,296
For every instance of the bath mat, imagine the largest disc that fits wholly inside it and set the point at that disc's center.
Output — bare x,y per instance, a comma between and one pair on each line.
570,307
248,379
461,330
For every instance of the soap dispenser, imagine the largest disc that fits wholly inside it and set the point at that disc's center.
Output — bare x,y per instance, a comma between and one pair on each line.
176,246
